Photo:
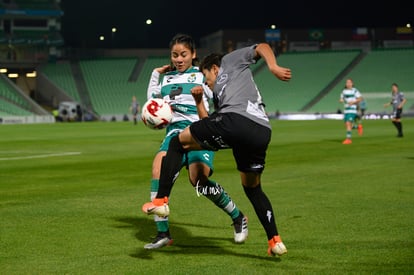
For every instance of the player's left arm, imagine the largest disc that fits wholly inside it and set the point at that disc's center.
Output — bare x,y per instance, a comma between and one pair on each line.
265,51
403,101
357,100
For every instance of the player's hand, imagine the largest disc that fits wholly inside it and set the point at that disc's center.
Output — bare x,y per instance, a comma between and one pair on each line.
164,69
284,74
197,92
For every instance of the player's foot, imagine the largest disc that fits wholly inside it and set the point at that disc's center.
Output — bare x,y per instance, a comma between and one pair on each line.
240,228
360,130
162,239
276,246
400,135
158,207
347,141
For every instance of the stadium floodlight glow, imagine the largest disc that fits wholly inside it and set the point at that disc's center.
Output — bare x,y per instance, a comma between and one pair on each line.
114,30
101,38
3,70
32,74
148,22
273,26
13,75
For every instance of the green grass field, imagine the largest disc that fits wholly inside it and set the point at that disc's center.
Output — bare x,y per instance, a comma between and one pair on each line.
71,196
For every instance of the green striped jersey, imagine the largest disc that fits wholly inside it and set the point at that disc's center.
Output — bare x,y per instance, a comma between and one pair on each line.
349,95
176,87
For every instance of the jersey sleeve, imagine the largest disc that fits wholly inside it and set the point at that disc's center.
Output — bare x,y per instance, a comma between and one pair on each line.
154,87
357,93
207,91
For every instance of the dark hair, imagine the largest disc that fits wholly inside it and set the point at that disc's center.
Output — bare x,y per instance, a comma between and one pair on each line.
394,84
185,39
210,60
188,41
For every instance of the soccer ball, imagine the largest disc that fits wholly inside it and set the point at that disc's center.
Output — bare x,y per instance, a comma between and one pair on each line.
156,113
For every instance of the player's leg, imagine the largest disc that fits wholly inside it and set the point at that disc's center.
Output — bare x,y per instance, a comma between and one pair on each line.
348,118
358,122
163,236
398,123
264,211
249,151
170,167
200,168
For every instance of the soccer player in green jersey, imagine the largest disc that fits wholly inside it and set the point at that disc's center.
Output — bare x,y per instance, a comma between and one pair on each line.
351,97
239,122
174,83
398,100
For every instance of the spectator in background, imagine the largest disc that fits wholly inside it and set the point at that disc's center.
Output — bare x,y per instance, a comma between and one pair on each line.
79,113
350,97
134,109
397,101
361,108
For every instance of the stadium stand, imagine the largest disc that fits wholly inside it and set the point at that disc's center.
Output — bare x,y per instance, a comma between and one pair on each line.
11,104
8,94
61,74
107,83
373,76
311,73
10,109
145,74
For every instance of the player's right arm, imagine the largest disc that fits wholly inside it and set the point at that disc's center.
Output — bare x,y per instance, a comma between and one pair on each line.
154,85
198,94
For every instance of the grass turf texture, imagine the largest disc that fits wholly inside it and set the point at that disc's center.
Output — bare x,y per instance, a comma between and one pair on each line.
339,208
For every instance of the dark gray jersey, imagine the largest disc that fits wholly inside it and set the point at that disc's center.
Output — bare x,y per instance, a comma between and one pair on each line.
235,90
396,100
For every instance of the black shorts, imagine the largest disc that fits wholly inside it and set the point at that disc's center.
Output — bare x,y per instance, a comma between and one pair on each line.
397,113
248,139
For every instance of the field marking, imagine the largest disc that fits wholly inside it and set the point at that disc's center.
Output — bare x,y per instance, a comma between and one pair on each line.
43,156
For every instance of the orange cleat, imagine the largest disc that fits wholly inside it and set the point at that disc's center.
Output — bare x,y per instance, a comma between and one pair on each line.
360,129
276,246
347,141
158,207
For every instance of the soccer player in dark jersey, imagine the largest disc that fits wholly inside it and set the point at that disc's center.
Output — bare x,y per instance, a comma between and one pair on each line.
398,100
239,122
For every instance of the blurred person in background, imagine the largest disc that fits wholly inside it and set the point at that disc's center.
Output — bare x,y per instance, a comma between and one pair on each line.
135,109
397,101
350,97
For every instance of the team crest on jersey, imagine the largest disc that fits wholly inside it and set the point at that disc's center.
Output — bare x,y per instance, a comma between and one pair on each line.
222,78
191,78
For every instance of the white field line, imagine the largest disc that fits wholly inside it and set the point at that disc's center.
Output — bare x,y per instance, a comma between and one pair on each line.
42,156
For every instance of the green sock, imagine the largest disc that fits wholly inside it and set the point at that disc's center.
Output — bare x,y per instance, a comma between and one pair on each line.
162,226
161,223
216,193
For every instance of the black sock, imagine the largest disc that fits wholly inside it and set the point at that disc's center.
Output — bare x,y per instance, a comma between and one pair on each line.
399,127
170,167
263,209
395,124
